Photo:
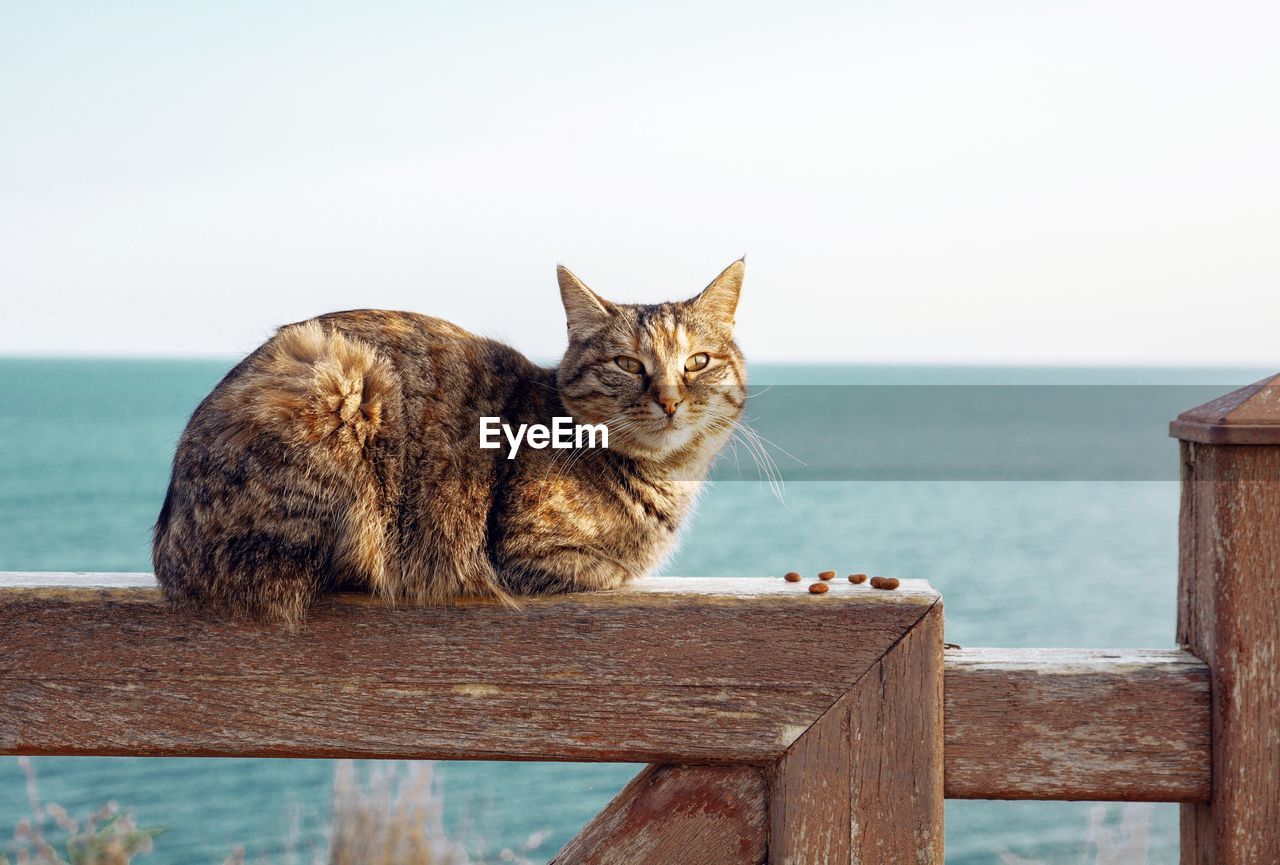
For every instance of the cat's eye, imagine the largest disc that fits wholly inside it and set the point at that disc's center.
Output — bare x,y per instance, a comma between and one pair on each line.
630,364
697,361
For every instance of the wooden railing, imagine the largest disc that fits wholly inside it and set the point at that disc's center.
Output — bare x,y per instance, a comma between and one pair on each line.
781,726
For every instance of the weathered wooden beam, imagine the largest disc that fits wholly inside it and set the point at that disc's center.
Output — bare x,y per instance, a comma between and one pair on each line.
702,815
864,785
1229,614
1020,723
1077,724
668,670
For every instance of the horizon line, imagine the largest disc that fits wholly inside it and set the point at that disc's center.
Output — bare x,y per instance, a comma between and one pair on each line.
984,363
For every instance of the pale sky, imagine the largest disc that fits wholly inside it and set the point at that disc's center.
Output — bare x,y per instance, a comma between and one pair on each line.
1009,182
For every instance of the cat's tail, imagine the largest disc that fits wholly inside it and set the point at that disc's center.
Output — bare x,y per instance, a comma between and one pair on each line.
318,386
336,389
286,479
337,400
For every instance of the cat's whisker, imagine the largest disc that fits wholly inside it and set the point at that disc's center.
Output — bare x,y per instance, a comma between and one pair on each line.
763,461
773,444
764,466
771,467
728,424
733,443
755,445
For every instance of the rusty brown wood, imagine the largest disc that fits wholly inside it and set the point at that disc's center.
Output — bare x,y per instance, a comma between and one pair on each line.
670,670
701,815
810,806
897,729
865,784
1248,416
1229,615
1020,723
1087,724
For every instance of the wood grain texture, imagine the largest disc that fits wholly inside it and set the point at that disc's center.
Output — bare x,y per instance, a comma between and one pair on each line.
1020,724
896,725
1229,615
810,807
865,784
670,670
1077,724
678,815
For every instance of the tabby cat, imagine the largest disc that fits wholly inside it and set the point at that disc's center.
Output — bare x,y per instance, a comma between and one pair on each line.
345,453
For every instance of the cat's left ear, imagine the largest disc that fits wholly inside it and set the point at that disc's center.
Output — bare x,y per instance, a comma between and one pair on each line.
720,298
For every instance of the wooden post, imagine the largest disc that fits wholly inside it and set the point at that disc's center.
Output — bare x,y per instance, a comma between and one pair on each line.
864,784
1229,615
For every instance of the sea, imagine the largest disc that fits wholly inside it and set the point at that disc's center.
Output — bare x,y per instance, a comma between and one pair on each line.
1041,502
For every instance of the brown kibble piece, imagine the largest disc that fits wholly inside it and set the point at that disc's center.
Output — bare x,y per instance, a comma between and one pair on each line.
857,578
885,582
827,575
819,588
792,577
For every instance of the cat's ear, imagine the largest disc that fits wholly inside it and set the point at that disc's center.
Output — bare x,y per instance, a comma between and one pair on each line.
583,308
720,298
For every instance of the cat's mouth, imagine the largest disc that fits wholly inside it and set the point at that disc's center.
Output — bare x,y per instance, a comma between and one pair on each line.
662,423
653,433
668,432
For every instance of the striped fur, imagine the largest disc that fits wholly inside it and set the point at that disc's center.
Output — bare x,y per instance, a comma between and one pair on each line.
344,453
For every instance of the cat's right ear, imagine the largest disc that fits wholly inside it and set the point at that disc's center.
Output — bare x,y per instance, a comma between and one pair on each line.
583,308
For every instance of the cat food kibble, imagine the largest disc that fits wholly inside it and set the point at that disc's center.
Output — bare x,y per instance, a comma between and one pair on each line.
792,577
857,578
885,582
819,588
827,575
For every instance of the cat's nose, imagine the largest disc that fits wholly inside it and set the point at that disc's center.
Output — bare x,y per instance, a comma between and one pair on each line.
668,397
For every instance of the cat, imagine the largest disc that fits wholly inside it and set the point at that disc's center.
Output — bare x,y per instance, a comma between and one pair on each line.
344,453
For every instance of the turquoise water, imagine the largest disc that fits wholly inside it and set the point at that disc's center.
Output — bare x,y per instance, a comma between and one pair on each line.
1026,552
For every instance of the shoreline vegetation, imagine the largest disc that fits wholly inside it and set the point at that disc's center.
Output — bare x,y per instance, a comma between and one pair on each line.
394,816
